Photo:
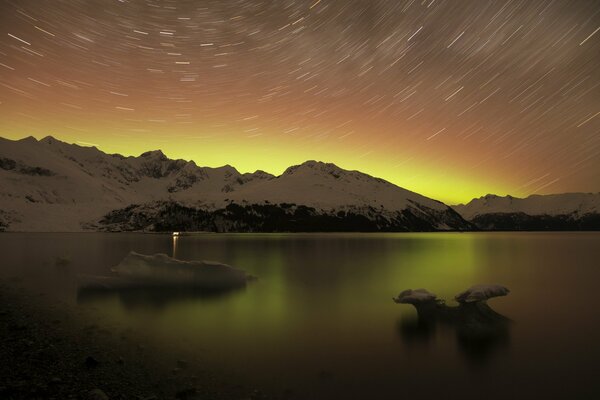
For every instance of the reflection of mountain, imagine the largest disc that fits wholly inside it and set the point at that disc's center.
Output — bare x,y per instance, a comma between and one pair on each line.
151,298
52,185
557,212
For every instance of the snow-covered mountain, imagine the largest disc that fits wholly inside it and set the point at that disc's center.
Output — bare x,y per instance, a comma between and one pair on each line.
568,211
49,185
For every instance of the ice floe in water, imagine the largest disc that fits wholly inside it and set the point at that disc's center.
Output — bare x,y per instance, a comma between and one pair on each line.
416,296
472,309
160,270
481,293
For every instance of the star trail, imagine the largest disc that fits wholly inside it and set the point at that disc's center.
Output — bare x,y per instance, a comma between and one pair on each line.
452,99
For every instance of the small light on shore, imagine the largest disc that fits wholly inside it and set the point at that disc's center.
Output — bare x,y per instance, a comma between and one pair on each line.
175,233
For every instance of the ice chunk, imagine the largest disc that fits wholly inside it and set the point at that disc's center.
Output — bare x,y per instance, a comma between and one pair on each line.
162,270
481,293
417,296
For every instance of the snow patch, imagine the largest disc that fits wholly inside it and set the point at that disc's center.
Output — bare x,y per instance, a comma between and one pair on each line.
417,296
481,293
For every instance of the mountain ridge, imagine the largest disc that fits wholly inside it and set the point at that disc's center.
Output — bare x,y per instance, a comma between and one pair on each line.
564,211
52,185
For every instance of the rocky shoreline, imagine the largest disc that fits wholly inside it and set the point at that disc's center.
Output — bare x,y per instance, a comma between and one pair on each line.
49,352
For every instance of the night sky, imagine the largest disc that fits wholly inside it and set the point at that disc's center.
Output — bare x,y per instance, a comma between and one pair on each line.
453,99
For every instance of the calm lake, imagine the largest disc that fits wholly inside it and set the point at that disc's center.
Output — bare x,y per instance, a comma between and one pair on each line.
320,323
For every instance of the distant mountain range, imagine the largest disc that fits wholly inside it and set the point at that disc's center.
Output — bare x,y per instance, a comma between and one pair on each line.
554,212
50,185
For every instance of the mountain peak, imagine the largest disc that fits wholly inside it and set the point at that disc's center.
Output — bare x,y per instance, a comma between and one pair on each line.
154,154
313,165
49,140
318,164
263,174
28,139
490,196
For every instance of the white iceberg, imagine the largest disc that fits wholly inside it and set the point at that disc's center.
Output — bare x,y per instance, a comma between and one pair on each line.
417,296
481,293
160,270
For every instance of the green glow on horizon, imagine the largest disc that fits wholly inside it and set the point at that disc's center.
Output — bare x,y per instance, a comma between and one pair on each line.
451,185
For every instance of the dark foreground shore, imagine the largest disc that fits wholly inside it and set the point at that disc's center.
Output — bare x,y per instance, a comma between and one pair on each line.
48,351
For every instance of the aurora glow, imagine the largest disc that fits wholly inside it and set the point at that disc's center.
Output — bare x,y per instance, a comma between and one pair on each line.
451,99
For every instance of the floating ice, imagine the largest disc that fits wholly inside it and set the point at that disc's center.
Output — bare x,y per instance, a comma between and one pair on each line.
160,270
481,293
417,296
471,312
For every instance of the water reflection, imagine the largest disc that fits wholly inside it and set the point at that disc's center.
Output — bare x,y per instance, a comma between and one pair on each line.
150,298
175,239
480,332
322,304
480,343
416,330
